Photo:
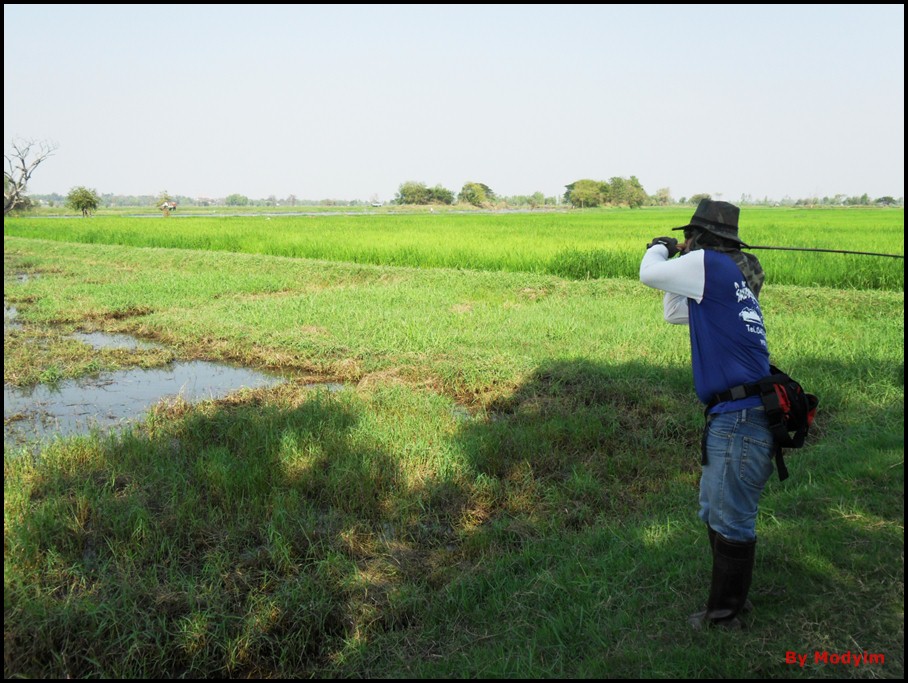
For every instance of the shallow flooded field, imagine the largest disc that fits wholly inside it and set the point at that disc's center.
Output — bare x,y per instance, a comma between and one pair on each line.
109,400
112,399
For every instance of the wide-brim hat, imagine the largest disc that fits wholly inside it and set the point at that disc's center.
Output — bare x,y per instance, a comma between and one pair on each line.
719,218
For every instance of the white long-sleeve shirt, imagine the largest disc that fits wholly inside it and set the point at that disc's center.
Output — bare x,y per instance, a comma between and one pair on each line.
681,279
706,289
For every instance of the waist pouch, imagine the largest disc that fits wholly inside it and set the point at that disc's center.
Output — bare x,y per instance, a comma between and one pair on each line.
790,411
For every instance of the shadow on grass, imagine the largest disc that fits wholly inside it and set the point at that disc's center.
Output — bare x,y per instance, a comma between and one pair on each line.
295,534
604,590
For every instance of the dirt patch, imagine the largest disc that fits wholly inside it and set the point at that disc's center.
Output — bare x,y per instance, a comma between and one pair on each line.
132,312
258,296
382,377
534,293
312,330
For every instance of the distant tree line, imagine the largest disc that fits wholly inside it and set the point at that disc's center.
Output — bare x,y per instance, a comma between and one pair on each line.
112,200
583,194
27,155
616,191
613,192
580,194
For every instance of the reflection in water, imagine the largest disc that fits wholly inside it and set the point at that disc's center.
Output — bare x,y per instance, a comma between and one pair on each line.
104,340
111,399
9,317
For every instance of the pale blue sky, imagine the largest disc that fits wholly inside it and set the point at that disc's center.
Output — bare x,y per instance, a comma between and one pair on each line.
350,101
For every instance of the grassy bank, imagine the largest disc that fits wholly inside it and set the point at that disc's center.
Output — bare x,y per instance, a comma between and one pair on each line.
506,488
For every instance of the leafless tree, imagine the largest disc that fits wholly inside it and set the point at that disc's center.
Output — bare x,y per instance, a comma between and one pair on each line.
26,156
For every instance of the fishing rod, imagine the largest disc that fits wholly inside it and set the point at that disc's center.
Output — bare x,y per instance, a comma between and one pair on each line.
832,251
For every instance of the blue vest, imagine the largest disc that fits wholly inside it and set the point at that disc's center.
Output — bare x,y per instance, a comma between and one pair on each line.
727,335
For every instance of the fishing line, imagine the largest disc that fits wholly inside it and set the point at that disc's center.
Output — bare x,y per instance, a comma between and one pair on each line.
832,251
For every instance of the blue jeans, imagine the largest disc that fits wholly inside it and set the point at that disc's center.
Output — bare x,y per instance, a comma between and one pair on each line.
739,452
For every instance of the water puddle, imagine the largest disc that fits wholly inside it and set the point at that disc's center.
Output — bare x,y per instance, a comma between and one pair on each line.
112,399
20,277
105,340
461,414
9,317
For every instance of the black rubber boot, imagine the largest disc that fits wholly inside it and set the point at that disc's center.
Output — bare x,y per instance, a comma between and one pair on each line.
731,578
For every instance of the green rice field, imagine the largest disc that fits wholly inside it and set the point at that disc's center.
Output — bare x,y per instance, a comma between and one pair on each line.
576,245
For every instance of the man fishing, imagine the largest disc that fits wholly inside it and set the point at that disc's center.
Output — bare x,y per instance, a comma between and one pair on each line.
713,287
